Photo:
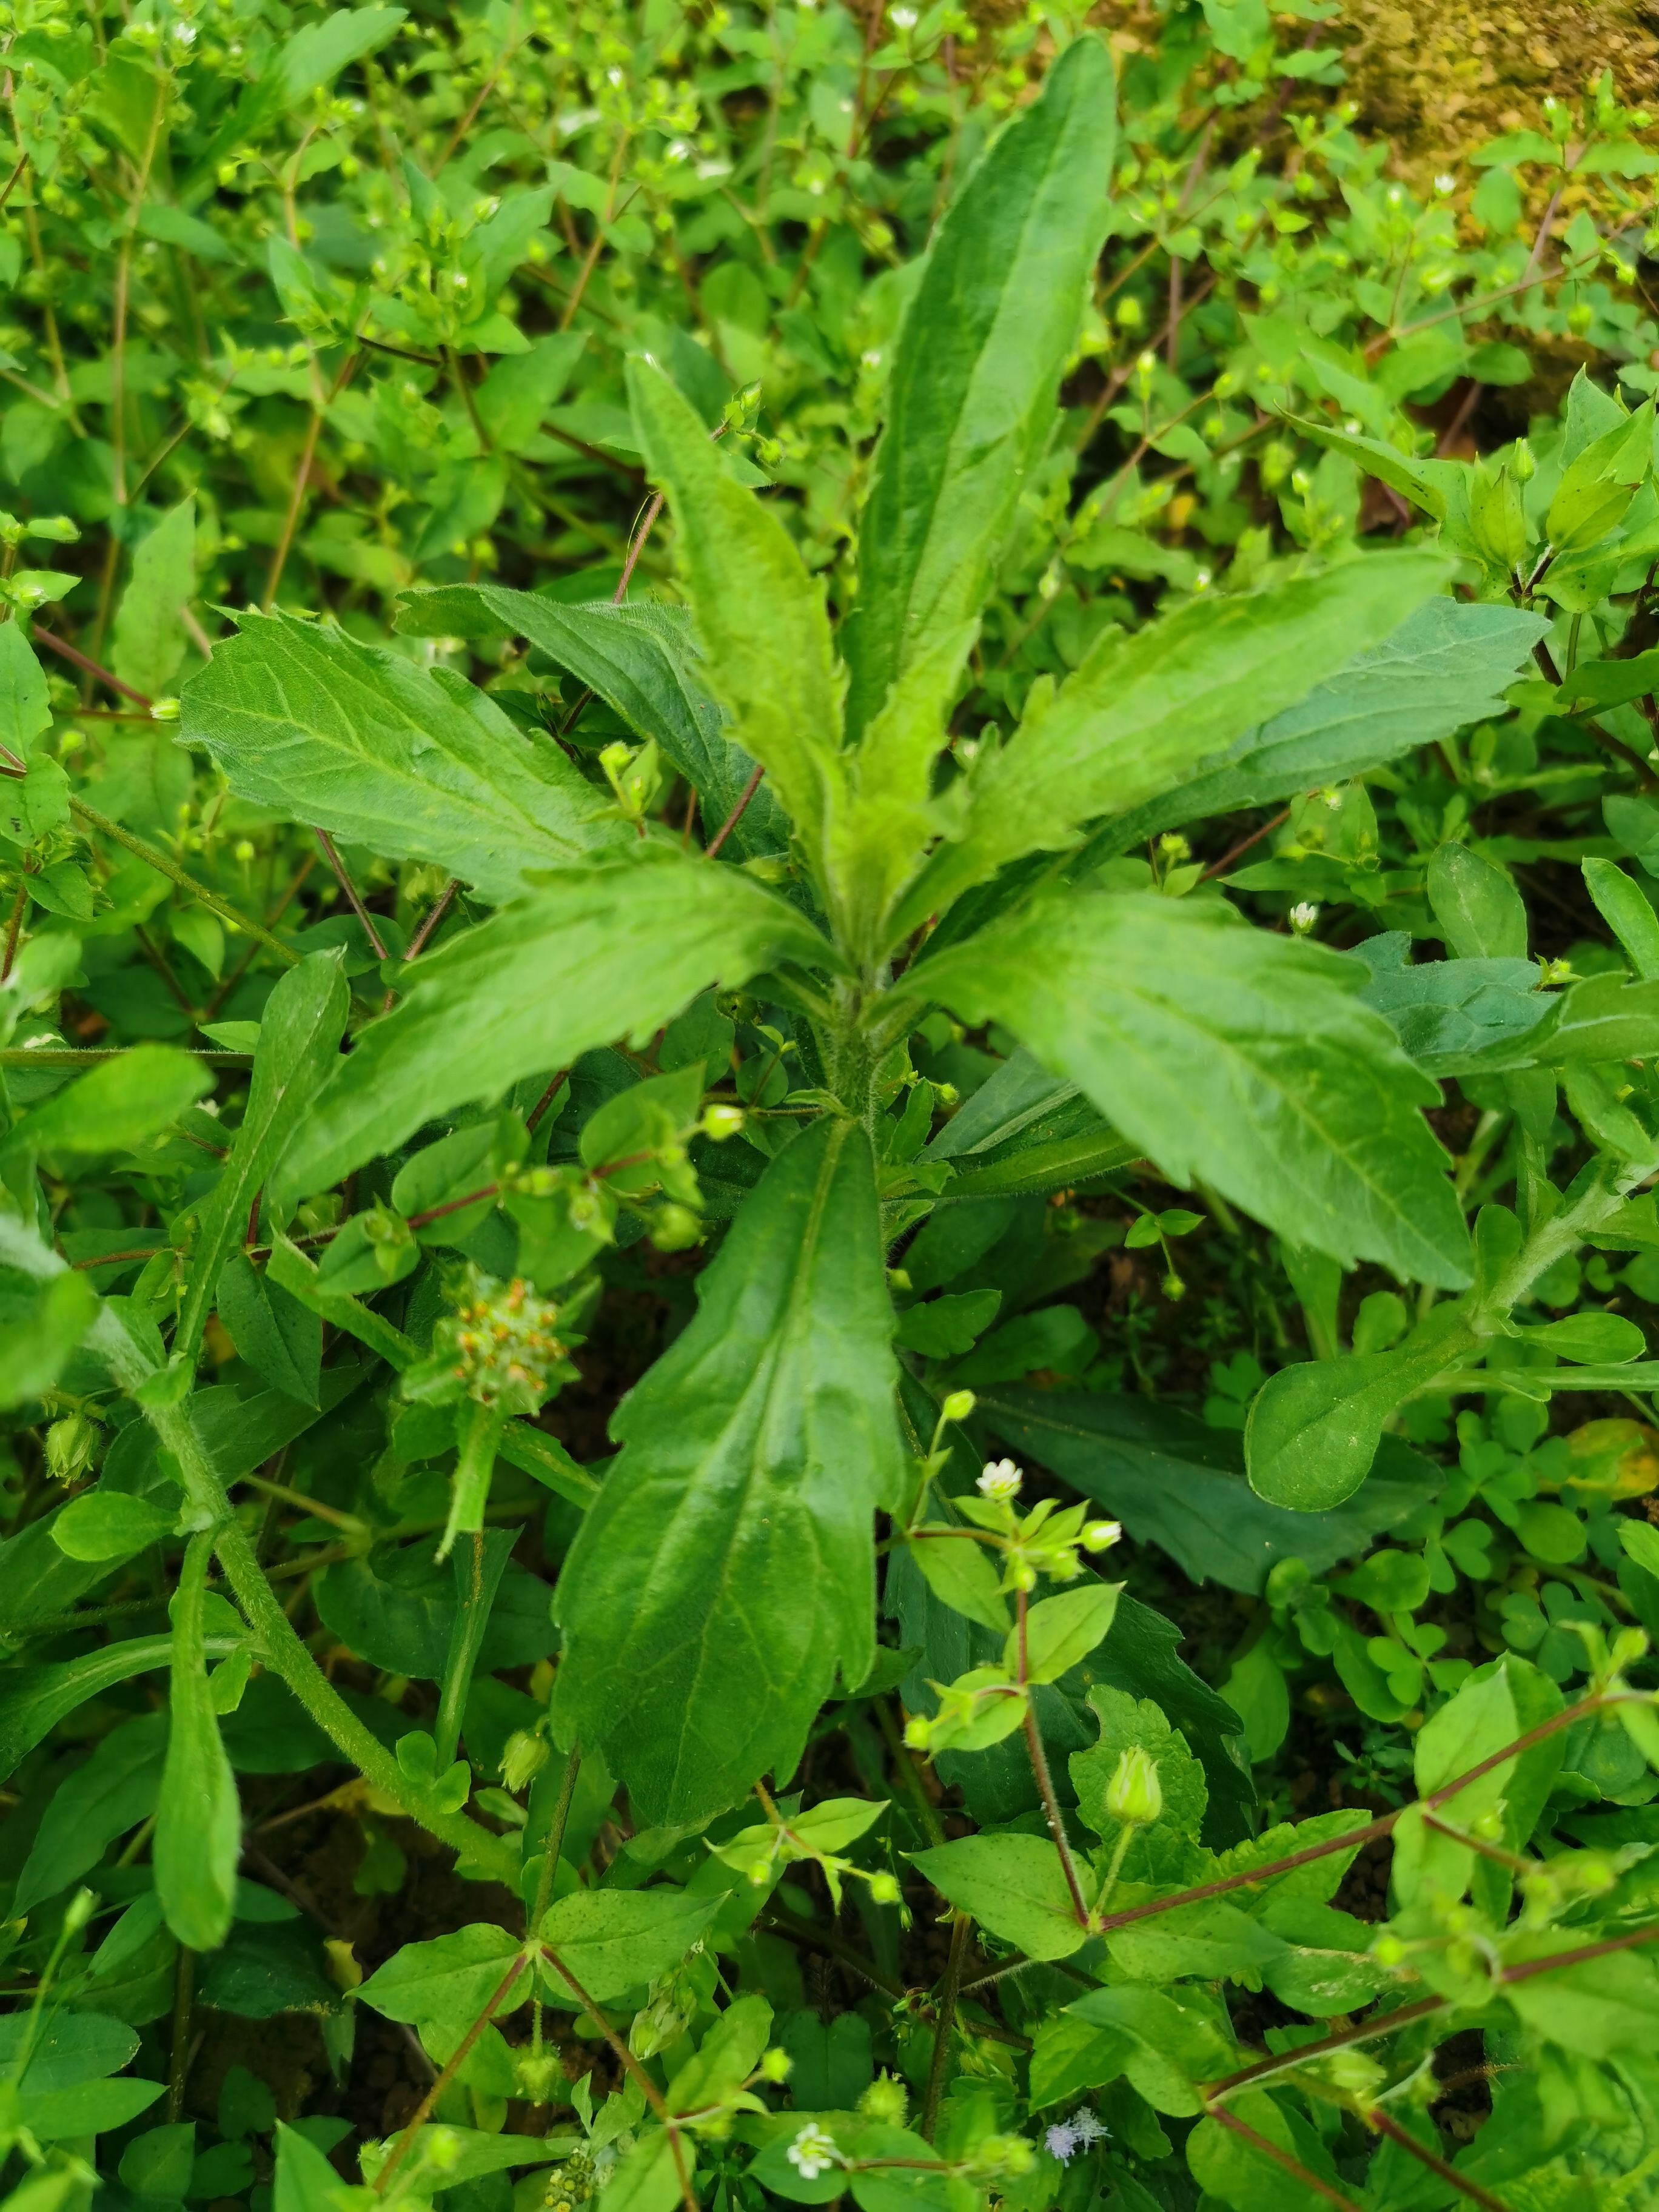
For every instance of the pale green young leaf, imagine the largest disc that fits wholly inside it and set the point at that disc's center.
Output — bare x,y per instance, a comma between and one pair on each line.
726,1571
300,1035
149,629
113,1106
760,616
619,1940
1061,1632
279,1336
1231,1057
1147,709
199,1828
361,742
1479,911
304,2180
970,402
1313,1429
639,658
630,946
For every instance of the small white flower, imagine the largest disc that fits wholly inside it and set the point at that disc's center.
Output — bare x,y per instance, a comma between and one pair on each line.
1445,183
1000,1479
904,18
1303,915
1060,2142
813,2152
1087,2129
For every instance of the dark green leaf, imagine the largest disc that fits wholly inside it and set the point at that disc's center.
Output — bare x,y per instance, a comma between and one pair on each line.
726,1571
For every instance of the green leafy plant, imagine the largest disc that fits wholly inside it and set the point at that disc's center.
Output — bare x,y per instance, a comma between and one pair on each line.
809,1132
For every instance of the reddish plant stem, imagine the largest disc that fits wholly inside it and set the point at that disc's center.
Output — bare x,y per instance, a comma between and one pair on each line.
440,907
350,891
1045,1783
737,813
653,2096
1293,2166
636,549
462,2050
547,1097
1386,2125
92,667
1243,845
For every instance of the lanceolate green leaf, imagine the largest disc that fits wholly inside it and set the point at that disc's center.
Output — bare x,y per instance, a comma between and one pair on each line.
760,616
971,399
361,742
1145,709
115,1106
1232,1057
299,1037
641,660
1445,666
727,1569
199,1828
598,954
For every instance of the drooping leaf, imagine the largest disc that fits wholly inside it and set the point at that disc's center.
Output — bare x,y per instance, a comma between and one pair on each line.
631,944
359,741
726,1569
37,1344
641,660
199,1828
1147,709
760,616
1229,1055
299,1038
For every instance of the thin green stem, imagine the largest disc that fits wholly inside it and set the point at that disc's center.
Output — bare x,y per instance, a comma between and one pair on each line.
167,867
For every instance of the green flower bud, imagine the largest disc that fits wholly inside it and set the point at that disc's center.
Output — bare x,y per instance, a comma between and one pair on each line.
776,2065
1101,1535
720,1122
883,1889
918,1731
885,2102
1135,1795
526,1755
958,1406
1524,462
70,1445
538,2074
675,1229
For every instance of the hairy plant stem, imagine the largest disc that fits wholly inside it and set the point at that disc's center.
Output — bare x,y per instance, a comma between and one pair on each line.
552,1845
456,2059
1039,1759
1293,2166
961,1928
167,867
1386,2125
